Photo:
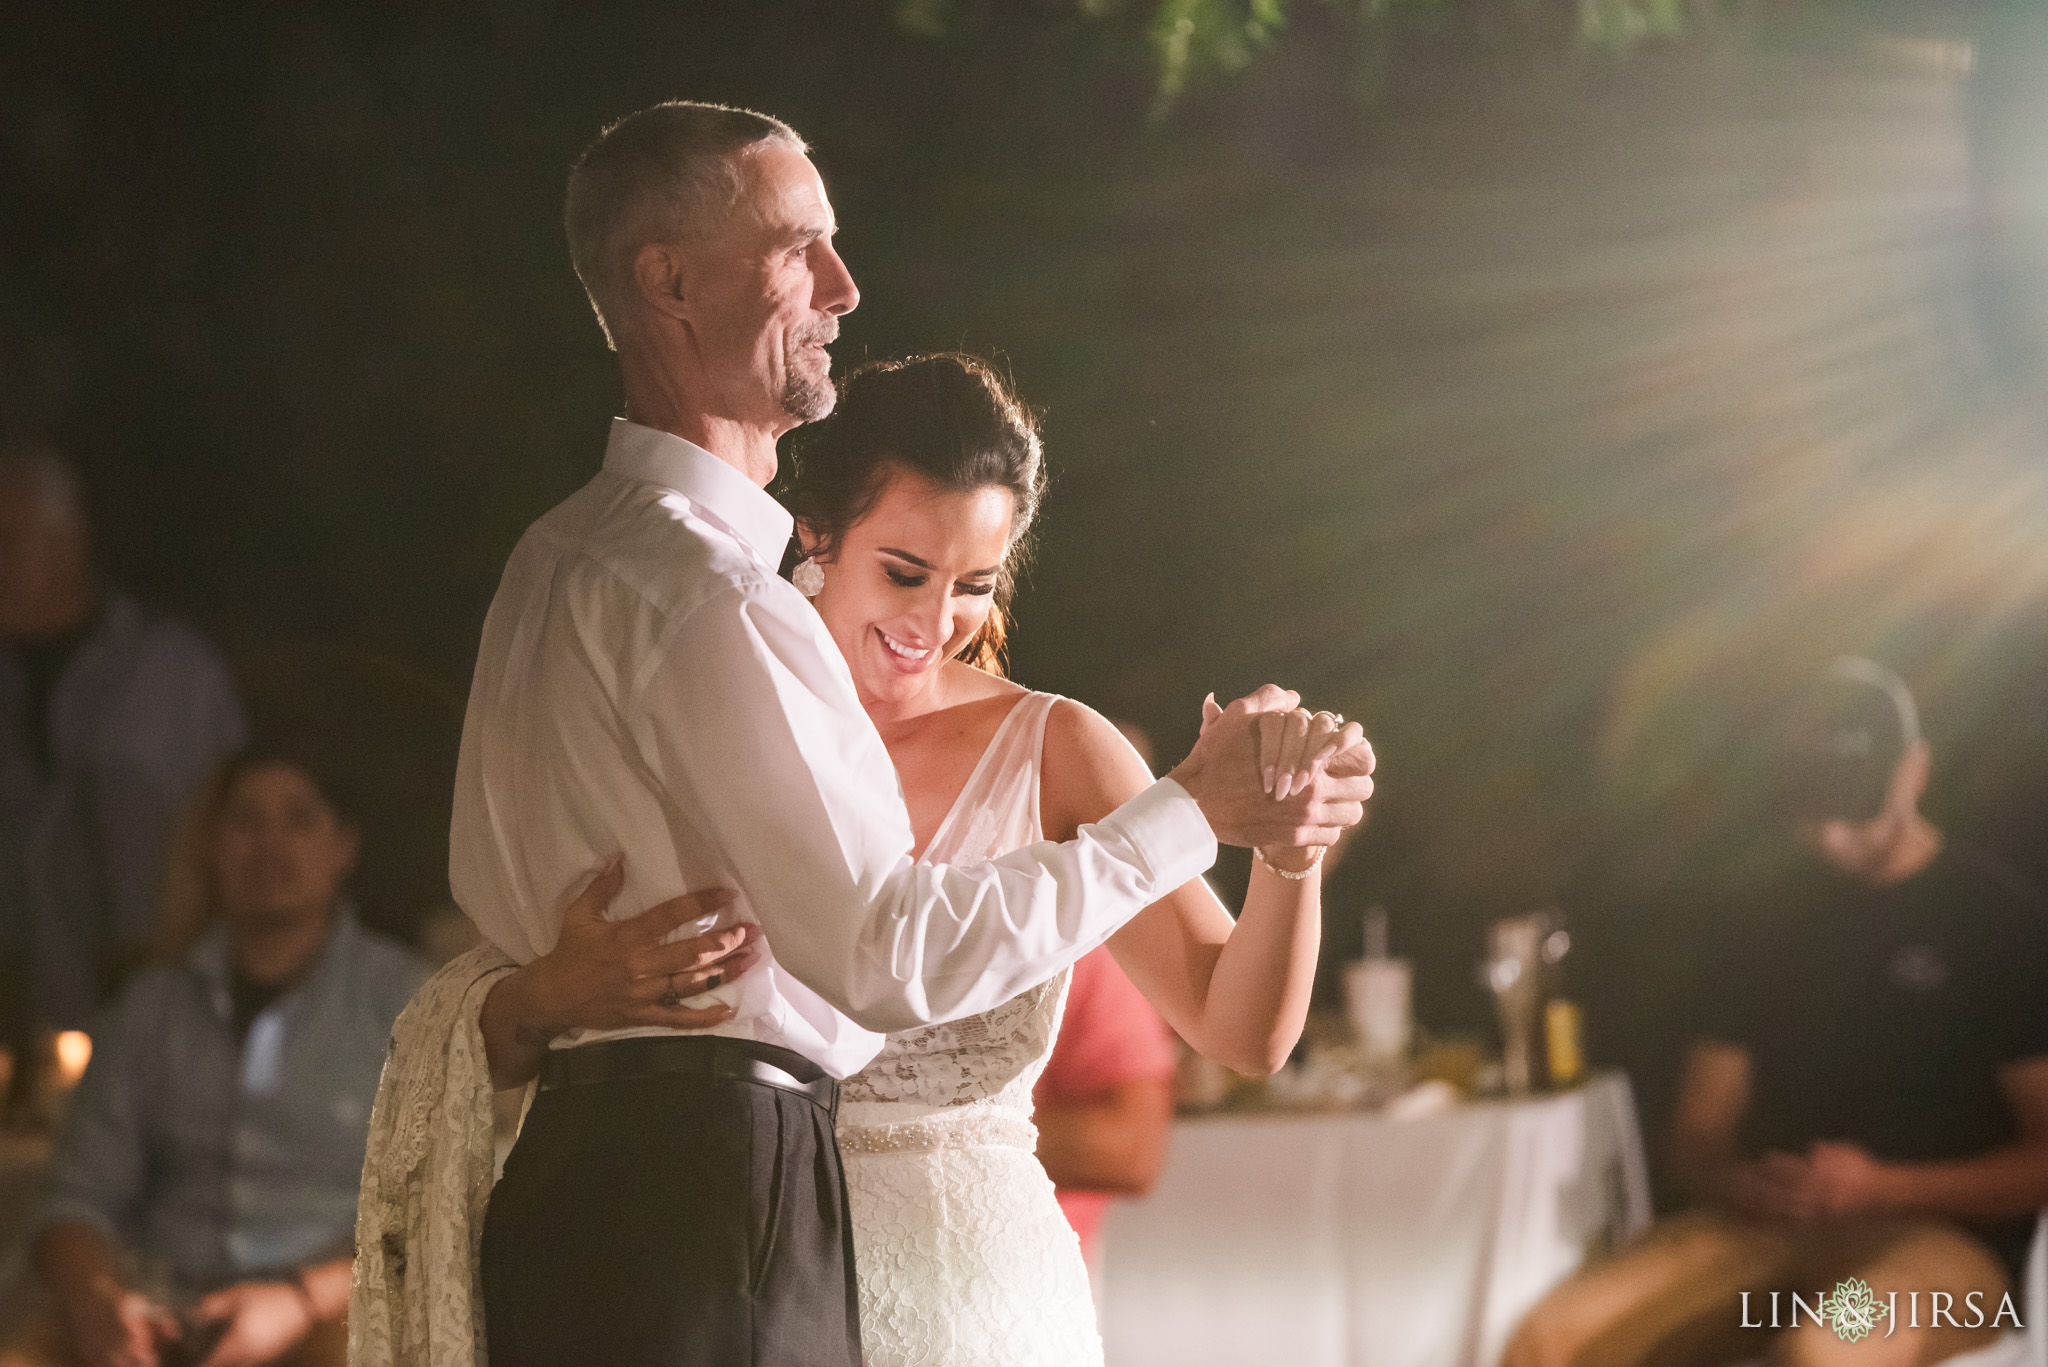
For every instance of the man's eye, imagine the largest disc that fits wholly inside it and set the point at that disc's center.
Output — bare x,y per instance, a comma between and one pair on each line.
902,580
978,590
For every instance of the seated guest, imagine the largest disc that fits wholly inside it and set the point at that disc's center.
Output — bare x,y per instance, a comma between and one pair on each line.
1868,1096
202,1200
1104,1104
110,715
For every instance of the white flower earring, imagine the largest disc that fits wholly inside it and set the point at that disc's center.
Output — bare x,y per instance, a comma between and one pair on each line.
809,577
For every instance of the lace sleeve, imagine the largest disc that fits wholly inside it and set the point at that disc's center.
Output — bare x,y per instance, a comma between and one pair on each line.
427,1176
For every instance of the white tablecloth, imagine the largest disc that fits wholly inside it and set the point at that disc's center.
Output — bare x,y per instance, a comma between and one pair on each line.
1355,1241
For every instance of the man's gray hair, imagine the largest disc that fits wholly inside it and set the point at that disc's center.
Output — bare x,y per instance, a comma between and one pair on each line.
666,174
49,479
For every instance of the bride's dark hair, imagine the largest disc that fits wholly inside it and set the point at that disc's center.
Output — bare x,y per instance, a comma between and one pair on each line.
948,418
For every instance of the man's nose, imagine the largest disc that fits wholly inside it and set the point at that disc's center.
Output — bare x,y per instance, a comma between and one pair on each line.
835,293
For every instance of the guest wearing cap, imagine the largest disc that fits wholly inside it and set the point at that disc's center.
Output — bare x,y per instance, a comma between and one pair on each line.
1867,1094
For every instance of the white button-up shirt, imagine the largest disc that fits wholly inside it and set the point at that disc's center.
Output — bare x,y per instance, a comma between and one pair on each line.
648,683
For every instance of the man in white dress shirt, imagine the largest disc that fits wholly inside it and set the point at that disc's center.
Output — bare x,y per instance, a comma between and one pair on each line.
647,682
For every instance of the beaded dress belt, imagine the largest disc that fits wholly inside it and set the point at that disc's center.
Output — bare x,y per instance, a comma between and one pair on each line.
709,1056
1000,1131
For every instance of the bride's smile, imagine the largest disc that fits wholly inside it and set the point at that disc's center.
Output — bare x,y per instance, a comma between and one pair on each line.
912,657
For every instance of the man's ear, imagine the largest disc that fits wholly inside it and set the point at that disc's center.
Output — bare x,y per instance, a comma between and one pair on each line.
660,273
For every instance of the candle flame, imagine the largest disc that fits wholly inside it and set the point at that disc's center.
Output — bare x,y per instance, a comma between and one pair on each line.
74,1051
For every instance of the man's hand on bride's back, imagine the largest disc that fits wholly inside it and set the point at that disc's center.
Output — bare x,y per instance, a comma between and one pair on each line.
1322,773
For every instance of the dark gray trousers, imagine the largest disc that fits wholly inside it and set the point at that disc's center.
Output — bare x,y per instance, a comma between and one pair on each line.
673,1220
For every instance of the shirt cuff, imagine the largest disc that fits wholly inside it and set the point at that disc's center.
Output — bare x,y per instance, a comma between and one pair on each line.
1166,826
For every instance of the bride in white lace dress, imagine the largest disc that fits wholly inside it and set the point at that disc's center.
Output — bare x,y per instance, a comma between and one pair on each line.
912,502
963,1254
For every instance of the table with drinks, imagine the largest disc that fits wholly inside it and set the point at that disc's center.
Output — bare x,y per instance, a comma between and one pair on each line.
1368,1240
1362,1216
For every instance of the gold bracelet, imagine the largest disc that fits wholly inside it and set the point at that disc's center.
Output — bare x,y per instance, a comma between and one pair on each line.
1290,875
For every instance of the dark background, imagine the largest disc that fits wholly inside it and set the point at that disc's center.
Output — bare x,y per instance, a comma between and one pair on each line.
1548,408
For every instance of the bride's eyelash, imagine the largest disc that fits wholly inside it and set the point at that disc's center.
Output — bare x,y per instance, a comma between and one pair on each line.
913,581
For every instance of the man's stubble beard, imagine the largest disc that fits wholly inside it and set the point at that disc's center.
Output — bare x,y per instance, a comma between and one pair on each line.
808,398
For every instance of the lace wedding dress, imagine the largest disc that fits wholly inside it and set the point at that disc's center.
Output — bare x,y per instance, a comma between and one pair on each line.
963,1255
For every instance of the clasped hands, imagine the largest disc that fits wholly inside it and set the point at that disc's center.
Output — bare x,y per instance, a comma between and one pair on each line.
1265,772
1268,773
1829,1179
252,1323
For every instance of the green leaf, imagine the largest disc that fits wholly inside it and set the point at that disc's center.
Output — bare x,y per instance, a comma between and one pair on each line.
928,18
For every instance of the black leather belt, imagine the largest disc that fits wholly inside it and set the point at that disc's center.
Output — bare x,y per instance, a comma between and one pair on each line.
712,1057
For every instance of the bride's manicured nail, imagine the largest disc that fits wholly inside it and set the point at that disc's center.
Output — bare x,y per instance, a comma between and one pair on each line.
1267,778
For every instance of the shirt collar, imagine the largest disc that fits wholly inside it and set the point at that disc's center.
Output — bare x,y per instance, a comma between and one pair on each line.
665,459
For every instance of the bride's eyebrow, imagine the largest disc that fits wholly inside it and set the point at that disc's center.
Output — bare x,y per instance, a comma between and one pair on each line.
926,564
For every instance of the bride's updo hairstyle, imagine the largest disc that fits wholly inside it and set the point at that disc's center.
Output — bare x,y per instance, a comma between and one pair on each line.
947,418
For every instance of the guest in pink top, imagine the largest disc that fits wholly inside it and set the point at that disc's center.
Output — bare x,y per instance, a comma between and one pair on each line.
1105,1101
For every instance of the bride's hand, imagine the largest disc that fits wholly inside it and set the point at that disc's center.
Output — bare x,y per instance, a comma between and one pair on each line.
1296,745
615,975
1296,749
